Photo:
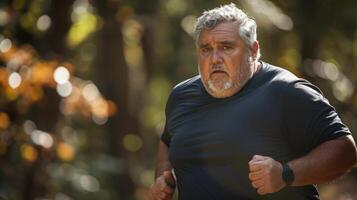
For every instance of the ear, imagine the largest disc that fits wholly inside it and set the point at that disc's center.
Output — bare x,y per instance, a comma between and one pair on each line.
254,49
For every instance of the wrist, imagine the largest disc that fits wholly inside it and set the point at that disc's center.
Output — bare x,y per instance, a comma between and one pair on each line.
287,174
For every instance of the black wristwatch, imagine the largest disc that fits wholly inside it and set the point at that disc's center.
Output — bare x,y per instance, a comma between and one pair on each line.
288,174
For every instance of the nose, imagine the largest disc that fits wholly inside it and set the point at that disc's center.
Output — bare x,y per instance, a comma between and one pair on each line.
216,57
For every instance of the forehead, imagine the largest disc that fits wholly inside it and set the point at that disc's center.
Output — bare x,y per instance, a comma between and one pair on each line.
221,32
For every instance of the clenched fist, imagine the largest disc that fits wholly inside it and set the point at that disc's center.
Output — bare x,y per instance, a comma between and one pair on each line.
164,187
265,174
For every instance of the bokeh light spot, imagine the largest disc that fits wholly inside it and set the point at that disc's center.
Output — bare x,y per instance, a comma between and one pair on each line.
14,80
65,151
28,152
90,92
89,183
42,138
5,45
4,17
65,89
146,177
62,196
132,142
46,140
29,126
343,89
43,23
4,120
187,23
61,75
99,120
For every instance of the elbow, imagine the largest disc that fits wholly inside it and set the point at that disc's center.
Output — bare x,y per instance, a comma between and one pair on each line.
348,158
345,153
350,151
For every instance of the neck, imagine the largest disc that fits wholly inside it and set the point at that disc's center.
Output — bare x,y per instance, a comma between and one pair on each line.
256,67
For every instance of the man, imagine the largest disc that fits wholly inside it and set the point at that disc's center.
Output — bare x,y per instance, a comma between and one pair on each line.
244,129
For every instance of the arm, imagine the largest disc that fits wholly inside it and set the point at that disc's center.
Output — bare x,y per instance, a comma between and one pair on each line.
327,161
162,162
164,186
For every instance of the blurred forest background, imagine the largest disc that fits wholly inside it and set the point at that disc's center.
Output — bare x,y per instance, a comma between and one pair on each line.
83,85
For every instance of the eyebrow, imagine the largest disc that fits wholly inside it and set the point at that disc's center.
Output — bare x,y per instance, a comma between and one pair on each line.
224,42
228,42
202,46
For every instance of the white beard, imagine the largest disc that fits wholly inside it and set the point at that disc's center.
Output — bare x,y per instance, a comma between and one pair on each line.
226,85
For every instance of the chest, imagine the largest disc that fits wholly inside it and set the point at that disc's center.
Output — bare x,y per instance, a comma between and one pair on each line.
226,131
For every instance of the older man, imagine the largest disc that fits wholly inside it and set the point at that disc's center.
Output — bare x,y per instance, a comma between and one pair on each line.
244,129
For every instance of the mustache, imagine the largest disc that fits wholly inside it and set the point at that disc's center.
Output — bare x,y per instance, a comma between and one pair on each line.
218,68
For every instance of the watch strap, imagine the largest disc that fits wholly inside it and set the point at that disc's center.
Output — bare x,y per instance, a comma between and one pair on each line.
288,174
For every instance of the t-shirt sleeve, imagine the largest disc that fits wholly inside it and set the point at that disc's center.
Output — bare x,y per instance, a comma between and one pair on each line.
166,136
308,117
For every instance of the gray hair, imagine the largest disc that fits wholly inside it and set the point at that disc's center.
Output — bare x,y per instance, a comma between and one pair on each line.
228,13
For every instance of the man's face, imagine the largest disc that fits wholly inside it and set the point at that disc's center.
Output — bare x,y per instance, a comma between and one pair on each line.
223,60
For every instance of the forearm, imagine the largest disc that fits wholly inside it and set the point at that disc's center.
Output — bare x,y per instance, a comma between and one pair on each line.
164,184
162,162
326,162
161,167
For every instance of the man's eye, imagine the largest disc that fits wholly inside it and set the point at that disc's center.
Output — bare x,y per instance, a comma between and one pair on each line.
227,47
205,50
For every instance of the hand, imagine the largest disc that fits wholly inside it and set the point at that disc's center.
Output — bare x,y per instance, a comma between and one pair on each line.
265,173
164,187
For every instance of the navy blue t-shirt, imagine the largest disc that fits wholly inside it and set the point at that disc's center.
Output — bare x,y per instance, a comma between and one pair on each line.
211,140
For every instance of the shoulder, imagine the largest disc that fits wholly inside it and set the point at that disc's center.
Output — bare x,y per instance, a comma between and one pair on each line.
292,88
187,83
191,86
289,82
186,89
278,75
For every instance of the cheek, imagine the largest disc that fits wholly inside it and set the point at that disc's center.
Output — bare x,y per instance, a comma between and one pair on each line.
234,63
204,67
204,73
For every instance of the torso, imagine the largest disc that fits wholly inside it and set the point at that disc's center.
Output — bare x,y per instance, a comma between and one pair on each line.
212,140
